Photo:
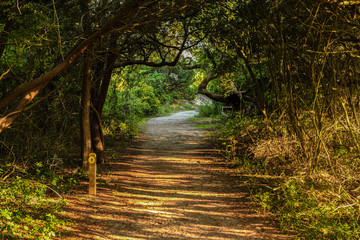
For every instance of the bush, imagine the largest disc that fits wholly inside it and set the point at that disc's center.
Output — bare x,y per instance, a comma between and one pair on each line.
210,110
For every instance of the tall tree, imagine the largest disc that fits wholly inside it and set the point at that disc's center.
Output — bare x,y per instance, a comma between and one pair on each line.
86,97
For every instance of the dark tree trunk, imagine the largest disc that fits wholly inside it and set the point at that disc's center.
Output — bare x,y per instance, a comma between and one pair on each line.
85,112
86,97
97,138
99,101
258,83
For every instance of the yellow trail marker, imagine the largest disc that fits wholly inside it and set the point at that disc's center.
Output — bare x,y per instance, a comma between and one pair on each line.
92,174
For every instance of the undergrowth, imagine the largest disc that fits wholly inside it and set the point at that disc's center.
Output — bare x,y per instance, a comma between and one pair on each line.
31,198
210,110
321,203
27,213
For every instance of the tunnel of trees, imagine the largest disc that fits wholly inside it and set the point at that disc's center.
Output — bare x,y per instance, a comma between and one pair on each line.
73,71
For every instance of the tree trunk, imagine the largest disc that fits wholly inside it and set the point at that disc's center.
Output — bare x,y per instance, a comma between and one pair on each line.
258,83
99,101
97,138
85,112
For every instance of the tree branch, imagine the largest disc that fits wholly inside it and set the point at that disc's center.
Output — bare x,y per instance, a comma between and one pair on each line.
122,20
155,64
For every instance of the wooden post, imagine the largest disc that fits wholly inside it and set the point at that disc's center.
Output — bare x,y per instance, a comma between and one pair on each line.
92,174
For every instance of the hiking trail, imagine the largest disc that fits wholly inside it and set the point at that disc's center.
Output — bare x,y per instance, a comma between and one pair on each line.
170,185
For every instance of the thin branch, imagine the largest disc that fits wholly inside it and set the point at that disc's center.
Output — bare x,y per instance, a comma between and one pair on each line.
18,6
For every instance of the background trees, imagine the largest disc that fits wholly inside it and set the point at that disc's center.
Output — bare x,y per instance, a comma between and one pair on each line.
298,60
294,59
112,35
292,64
259,56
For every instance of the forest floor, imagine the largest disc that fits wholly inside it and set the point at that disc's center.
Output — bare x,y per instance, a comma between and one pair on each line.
170,185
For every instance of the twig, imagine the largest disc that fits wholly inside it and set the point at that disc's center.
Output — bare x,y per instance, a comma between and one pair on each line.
18,7
349,205
55,192
57,24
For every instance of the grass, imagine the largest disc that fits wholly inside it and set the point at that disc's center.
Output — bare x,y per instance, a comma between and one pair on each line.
205,123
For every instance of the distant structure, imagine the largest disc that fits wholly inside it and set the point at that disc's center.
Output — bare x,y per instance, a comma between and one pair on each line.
202,100
227,110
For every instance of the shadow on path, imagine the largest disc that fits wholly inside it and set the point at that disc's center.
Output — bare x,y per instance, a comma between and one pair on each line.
169,186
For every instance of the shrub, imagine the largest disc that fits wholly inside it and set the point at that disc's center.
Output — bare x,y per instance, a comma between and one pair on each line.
210,110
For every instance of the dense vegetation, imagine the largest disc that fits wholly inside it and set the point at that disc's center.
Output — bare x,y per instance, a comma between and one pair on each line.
89,71
297,134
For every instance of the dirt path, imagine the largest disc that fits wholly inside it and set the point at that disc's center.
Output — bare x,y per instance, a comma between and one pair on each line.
170,186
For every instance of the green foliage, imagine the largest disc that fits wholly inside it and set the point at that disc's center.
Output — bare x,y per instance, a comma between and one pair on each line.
26,212
33,28
142,92
29,205
303,209
310,126
54,175
210,110
176,106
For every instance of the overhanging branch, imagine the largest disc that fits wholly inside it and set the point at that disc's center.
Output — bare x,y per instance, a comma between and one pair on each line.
127,17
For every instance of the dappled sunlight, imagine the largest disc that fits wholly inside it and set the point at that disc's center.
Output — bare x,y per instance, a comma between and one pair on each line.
142,196
168,188
129,238
182,192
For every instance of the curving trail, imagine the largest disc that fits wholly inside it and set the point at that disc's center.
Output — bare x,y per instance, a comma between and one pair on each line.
169,186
